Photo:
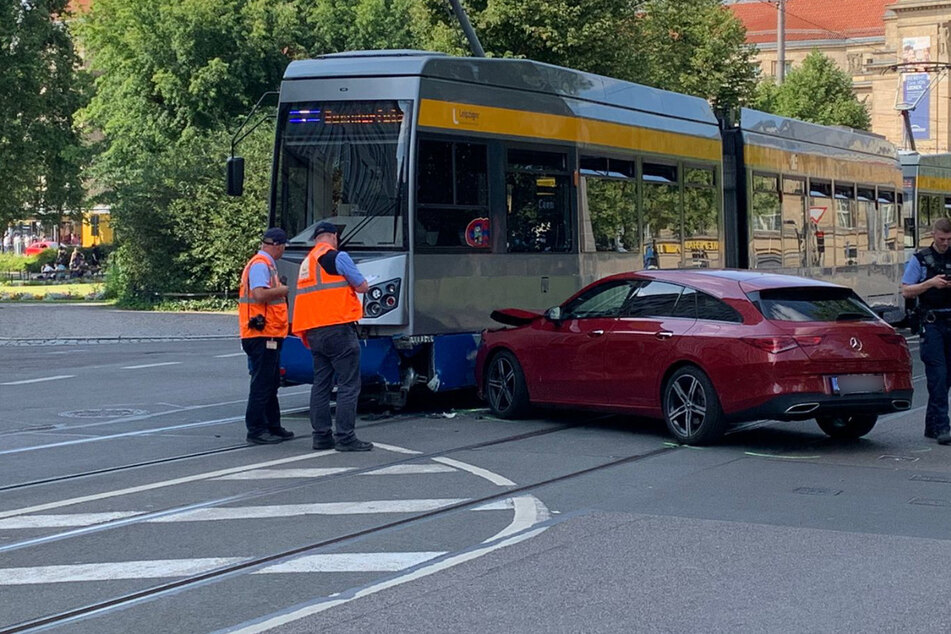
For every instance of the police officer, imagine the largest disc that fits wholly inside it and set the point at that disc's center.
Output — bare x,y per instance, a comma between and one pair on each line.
326,311
262,315
928,277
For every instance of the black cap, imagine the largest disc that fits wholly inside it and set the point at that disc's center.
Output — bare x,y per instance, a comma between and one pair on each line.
274,235
324,227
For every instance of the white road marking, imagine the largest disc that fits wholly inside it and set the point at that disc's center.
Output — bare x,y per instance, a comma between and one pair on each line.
396,449
61,521
294,510
233,354
150,365
325,604
529,510
494,478
110,571
352,562
158,485
269,474
411,469
47,378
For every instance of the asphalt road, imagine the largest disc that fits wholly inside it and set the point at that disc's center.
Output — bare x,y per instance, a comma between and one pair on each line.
129,502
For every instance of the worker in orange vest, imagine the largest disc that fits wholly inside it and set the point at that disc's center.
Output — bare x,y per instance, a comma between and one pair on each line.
326,311
262,316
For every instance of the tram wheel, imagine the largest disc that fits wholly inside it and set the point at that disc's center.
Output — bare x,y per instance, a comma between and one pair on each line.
847,427
505,386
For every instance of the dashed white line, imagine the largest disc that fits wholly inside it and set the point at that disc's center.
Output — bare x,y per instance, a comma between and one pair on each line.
352,562
294,510
233,354
108,572
270,474
46,378
150,365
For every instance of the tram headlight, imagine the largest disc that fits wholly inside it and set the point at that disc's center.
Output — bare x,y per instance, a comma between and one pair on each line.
381,298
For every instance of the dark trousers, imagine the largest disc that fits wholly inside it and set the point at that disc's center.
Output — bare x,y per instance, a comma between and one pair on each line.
936,355
263,411
336,351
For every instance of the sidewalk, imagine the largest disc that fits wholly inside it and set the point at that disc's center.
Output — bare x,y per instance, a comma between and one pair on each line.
50,321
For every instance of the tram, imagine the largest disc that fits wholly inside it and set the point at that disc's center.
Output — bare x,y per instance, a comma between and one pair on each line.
460,185
927,188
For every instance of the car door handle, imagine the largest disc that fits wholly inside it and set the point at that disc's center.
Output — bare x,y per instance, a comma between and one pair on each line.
595,333
663,334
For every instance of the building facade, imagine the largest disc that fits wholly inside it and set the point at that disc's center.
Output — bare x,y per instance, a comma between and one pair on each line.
897,52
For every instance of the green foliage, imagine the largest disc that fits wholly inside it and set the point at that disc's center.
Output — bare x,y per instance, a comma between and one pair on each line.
12,262
817,91
40,89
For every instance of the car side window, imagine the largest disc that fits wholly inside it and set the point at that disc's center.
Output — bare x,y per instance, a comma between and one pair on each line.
654,299
709,307
687,304
604,300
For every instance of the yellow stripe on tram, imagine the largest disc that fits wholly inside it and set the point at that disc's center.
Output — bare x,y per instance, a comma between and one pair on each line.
460,117
796,163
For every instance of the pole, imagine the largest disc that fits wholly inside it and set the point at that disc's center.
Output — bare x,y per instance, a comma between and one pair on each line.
780,41
474,43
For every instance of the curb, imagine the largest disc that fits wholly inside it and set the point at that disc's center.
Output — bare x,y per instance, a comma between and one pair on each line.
62,341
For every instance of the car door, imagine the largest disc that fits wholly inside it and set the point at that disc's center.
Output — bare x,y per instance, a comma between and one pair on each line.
569,367
644,342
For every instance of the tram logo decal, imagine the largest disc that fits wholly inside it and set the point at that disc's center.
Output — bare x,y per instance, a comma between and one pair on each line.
465,117
477,233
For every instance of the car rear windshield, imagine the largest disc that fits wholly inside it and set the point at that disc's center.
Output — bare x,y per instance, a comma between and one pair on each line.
811,304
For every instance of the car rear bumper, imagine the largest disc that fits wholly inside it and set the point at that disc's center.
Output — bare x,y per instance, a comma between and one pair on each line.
805,406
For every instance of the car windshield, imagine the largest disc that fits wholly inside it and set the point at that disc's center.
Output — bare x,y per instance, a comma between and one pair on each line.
811,304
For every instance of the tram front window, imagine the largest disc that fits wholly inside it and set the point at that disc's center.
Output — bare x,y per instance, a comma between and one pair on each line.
343,162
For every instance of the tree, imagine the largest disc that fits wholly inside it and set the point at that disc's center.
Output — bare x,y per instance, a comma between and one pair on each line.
41,87
817,91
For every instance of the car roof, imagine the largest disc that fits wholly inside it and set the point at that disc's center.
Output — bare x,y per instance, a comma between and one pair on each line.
729,282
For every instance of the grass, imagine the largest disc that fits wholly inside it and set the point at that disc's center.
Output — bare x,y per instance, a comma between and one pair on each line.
74,290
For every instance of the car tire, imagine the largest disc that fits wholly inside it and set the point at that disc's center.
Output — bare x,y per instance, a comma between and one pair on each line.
505,387
691,407
847,427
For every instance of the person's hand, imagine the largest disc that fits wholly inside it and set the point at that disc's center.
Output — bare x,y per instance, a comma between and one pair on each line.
940,281
283,290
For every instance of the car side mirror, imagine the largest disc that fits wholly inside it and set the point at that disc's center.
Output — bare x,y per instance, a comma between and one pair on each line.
235,186
553,313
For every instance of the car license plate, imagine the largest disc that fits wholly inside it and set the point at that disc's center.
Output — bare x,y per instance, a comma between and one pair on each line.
857,383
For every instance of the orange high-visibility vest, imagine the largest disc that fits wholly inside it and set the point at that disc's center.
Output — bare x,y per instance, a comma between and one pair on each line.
274,311
322,299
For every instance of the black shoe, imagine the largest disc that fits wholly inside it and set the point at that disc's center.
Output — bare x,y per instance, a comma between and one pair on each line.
944,438
264,439
280,432
324,444
354,445
930,433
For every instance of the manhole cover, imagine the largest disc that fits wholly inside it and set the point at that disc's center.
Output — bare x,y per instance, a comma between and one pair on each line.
116,412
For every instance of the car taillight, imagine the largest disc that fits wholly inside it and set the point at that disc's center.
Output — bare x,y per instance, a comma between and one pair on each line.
773,345
892,337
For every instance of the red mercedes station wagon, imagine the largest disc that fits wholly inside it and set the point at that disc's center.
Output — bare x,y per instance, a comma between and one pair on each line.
702,350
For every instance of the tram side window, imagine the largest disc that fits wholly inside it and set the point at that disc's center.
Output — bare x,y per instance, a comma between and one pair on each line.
661,214
794,222
452,202
847,229
701,218
930,208
889,219
869,218
821,228
538,218
766,216
609,204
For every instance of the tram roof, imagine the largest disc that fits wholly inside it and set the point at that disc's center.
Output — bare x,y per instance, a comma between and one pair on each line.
517,74
784,130
925,160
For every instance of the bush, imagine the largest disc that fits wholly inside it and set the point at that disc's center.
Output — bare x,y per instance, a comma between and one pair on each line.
12,262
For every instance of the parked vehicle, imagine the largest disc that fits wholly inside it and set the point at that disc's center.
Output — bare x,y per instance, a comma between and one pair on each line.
702,349
39,246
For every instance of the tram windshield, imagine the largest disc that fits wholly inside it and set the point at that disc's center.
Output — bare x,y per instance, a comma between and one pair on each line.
343,162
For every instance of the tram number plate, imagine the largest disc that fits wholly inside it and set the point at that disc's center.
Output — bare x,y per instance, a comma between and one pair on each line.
857,383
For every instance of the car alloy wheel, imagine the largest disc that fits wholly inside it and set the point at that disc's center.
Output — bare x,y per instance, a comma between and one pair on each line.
505,386
691,407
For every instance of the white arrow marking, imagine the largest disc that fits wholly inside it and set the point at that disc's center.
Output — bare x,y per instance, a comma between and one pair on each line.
293,510
411,469
269,474
352,562
494,478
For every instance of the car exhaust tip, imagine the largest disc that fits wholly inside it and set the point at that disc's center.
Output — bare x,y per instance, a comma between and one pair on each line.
901,404
802,408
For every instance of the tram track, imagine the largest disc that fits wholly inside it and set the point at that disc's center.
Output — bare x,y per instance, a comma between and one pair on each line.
223,572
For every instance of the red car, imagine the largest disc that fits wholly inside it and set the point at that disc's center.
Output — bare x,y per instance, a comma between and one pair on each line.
702,350
40,246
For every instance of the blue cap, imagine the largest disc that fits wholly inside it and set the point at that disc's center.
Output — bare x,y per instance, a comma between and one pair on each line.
274,235
324,227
